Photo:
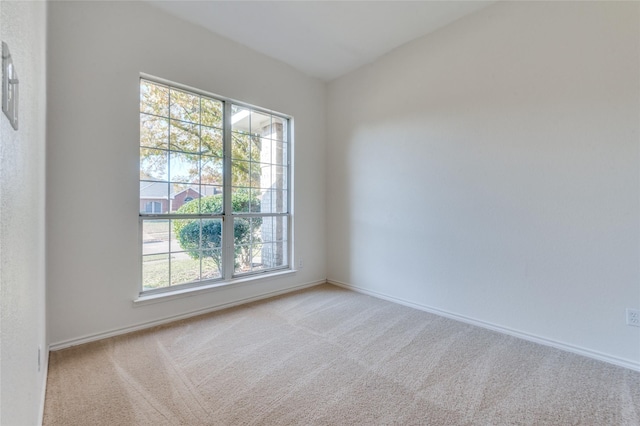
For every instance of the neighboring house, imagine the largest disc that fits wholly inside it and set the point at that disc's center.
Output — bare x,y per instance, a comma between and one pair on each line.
155,197
184,196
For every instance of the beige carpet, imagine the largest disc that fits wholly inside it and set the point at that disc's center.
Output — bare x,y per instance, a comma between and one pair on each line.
330,356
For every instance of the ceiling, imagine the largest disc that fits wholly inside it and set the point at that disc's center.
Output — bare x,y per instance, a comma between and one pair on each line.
324,39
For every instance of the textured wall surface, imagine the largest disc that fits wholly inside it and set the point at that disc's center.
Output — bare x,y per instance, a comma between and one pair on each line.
490,170
97,51
22,220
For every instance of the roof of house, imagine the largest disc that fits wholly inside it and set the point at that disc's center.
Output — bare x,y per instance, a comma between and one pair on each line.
159,190
155,190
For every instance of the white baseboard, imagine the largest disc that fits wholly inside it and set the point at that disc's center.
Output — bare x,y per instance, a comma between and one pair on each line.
515,333
45,374
124,330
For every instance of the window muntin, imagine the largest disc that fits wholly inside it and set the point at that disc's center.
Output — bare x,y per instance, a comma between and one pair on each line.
198,152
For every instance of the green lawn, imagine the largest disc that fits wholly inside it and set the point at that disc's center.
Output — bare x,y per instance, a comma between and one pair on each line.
155,270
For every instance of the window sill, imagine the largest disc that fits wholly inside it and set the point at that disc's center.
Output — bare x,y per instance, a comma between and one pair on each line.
149,299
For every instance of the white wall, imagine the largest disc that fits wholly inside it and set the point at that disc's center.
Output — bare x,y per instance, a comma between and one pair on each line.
96,52
22,220
490,170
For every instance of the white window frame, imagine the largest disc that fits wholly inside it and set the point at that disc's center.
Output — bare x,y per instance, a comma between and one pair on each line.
227,216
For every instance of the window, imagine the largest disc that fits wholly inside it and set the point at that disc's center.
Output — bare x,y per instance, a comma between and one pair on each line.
153,207
222,170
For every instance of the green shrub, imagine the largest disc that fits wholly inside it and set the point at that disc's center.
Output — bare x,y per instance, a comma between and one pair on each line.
188,230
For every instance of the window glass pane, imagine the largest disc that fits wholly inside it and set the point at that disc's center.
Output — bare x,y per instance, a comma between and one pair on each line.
278,257
186,236
272,201
256,149
184,269
255,199
266,232
267,176
272,229
240,173
267,202
256,229
260,124
211,264
266,258
273,152
154,197
248,258
241,261
154,98
240,146
245,147
211,204
153,207
281,202
211,140
279,153
256,179
279,228
209,190
265,150
184,198
211,170
154,131
176,230
241,231
196,237
185,106
256,259
246,239
243,199
240,119
153,164
185,136
184,168
273,234
211,237
211,112
257,255
155,271
280,175
260,243
155,236
279,129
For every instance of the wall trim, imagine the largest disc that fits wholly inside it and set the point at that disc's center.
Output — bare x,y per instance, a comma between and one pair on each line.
43,395
620,362
148,324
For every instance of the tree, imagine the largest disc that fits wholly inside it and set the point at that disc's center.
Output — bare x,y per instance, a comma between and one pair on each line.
205,241
191,126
